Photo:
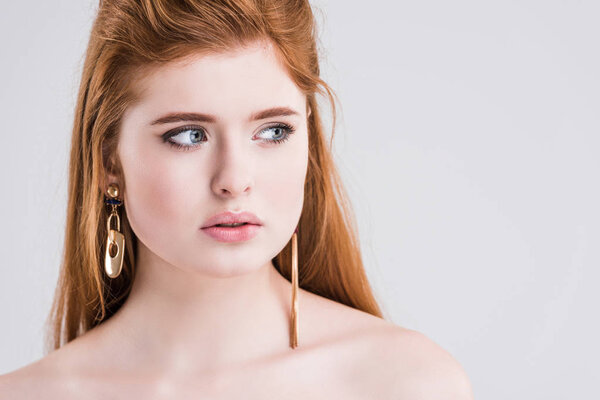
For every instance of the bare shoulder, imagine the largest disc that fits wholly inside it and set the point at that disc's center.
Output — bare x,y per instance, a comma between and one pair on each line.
379,359
49,377
411,365
22,382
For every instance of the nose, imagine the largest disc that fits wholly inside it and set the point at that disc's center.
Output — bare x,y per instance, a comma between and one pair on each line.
233,173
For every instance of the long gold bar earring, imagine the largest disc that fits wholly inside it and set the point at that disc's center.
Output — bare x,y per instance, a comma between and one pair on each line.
115,241
294,319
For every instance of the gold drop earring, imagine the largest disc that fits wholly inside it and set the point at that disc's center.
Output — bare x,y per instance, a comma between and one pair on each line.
294,311
115,241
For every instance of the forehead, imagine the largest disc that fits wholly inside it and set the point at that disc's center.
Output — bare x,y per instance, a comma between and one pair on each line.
226,84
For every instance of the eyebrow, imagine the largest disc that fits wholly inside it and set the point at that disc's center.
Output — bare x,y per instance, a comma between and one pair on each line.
197,117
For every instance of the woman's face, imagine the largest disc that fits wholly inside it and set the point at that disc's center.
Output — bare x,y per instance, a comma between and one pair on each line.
229,160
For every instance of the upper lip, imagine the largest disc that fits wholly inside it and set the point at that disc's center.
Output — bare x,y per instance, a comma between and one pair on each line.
229,217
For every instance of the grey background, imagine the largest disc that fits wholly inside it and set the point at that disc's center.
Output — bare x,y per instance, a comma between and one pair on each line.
468,140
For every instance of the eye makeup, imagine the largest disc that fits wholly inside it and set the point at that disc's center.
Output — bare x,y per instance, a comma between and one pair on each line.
285,129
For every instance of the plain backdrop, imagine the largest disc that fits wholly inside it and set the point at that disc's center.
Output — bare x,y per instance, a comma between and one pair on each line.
468,139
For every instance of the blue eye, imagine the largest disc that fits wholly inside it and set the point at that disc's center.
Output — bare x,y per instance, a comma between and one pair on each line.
282,132
184,132
193,136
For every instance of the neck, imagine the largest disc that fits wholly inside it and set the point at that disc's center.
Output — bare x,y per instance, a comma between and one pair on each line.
188,321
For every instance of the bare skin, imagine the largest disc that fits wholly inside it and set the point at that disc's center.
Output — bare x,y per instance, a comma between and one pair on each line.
342,353
207,319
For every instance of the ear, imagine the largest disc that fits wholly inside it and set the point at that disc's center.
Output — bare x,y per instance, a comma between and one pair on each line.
105,180
108,176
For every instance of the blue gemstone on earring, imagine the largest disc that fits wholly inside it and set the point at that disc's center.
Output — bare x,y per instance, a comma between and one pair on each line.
113,201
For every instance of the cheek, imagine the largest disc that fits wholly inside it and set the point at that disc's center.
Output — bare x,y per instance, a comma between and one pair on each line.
284,183
156,195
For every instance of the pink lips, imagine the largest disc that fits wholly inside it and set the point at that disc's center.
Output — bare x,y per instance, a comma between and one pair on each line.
232,234
225,234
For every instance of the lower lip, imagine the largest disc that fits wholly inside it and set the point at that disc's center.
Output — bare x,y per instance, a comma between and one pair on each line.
237,234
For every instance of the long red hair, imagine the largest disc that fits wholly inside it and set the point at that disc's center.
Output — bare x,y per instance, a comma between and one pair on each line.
127,37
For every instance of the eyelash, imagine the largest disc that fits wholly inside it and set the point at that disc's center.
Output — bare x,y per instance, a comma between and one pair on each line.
288,130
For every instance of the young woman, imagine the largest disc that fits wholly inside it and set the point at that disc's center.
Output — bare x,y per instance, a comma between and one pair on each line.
210,251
